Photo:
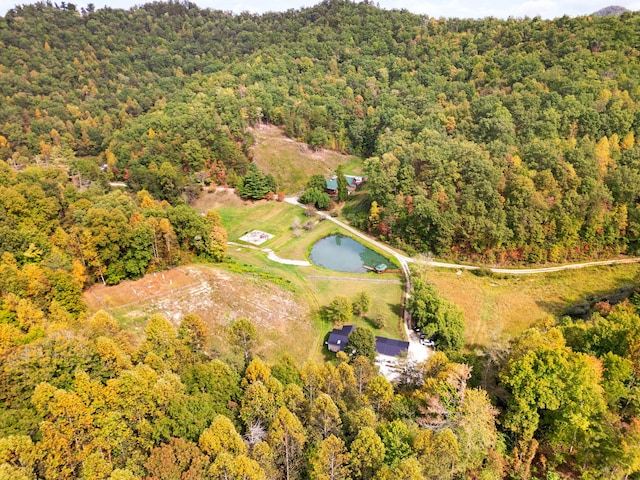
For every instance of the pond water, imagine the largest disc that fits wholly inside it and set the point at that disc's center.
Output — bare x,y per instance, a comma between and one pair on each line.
343,254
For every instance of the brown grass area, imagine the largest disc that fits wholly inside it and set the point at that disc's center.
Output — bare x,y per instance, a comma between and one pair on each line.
501,308
134,291
219,297
215,198
292,163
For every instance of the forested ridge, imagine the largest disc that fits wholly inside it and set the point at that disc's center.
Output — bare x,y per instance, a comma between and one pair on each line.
497,140
494,140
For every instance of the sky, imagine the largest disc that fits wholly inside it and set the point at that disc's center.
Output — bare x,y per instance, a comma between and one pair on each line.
433,8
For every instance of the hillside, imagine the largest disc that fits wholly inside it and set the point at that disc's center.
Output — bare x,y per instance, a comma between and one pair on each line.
503,140
291,162
610,10
137,343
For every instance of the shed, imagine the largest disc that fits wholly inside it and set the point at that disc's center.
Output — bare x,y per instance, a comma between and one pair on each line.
381,268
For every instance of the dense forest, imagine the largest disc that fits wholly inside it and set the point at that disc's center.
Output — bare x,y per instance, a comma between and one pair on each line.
83,398
494,140
497,140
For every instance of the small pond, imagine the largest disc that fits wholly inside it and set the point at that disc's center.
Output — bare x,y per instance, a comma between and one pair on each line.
343,254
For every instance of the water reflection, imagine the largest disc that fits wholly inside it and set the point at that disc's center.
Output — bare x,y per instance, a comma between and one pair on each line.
343,254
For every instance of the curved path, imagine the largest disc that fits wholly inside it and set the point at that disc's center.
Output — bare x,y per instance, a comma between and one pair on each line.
272,256
404,260
404,264
529,271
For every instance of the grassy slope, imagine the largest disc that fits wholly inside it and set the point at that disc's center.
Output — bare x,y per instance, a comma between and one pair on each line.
292,163
500,308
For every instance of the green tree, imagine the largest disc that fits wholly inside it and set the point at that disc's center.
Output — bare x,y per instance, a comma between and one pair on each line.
287,438
243,336
439,453
406,469
439,319
236,467
343,190
379,392
367,454
318,198
221,437
552,385
361,303
340,310
397,442
331,461
194,333
255,185
324,416
362,343
317,182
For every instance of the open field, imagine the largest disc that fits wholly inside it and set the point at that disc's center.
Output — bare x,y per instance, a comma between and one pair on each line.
292,163
283,301
220,296
496,308
318,292
500,308
130,293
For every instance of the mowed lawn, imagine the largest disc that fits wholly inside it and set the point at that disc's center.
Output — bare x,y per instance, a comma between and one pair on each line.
240,216
497,309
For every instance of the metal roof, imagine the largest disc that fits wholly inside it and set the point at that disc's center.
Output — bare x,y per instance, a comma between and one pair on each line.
390,347
340,336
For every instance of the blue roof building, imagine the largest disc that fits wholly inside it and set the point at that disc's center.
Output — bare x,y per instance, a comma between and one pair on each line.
339,338
352,183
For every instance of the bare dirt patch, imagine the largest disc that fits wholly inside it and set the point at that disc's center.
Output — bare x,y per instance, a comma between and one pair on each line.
130,292
219,297
214,198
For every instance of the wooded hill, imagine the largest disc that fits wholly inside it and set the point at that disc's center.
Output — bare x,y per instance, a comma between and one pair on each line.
496,140
508,140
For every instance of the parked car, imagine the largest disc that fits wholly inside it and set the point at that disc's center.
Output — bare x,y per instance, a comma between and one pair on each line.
427,343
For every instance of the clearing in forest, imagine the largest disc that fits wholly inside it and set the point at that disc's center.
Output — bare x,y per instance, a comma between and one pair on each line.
219,296
292,163
497,308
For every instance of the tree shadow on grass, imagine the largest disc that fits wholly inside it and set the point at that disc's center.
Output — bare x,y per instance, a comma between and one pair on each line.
585,306
551,307
396,308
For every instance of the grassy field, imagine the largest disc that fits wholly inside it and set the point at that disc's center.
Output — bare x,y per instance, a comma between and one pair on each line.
292,163
284,301
500,308
318,286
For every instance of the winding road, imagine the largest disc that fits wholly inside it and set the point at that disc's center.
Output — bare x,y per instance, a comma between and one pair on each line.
404,265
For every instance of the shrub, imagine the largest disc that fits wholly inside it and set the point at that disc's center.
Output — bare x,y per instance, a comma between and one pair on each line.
378,322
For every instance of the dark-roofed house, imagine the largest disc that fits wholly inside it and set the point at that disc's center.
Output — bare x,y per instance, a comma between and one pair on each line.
388,347
339,338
